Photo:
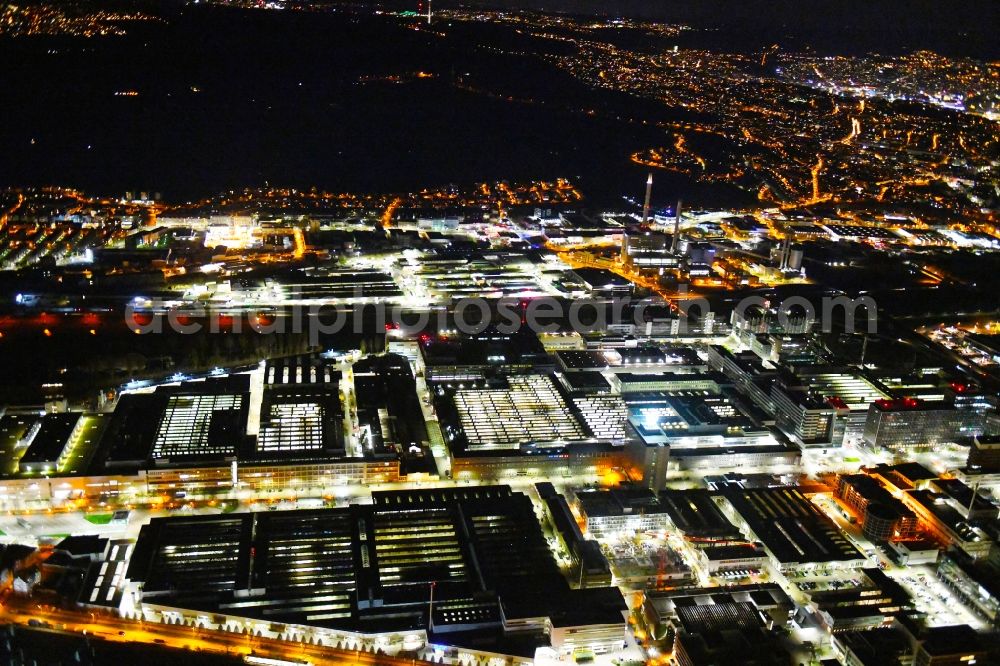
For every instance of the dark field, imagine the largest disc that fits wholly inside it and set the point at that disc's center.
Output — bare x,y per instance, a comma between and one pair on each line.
232,99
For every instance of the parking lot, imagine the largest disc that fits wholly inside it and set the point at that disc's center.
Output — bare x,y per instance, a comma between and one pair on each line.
931,596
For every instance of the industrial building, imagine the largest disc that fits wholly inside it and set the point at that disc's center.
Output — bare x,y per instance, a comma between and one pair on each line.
300,415
755,320
649,250
875,602
48,443
390,420
186,423
624,509
706,431
661,607
724,633
592,568
873,647
454,566
695,513
457,359
528,409
527,423
793,530
737,560
947,520
276,427
601,283
747,372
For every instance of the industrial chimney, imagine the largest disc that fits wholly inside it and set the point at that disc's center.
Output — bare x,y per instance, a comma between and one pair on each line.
649,194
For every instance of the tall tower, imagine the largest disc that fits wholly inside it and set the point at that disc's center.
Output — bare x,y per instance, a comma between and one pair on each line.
429,12
677,228
649,194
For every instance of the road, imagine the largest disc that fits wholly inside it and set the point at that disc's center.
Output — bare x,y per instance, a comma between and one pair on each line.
28,526
16,611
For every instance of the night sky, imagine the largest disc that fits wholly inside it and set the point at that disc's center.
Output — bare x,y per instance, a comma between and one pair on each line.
966,28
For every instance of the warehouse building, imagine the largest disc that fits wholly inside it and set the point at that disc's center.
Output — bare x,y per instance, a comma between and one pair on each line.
874,602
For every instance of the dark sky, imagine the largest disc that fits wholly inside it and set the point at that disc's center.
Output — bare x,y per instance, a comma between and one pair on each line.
965,27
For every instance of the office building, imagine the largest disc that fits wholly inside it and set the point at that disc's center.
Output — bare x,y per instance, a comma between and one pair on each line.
910,424
883,517
984,454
